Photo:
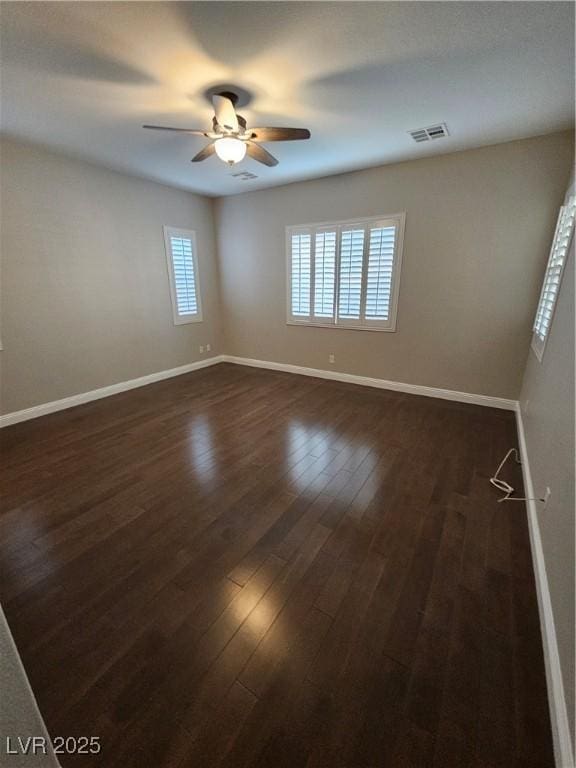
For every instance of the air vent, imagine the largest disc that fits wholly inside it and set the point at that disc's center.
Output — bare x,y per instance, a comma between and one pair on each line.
244,176
426,134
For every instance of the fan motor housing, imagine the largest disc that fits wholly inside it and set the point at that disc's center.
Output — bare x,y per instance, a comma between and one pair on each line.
240,97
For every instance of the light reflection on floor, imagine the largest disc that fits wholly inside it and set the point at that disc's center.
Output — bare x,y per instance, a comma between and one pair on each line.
202,456
304,443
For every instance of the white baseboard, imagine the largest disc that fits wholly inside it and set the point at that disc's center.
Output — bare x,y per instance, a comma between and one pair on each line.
122,386
561,732
366,381
96,394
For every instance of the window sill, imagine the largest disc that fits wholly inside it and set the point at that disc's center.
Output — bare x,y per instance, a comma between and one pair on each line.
340,326
187,320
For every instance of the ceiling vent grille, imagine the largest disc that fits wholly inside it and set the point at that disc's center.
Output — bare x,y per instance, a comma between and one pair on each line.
244,175
426,134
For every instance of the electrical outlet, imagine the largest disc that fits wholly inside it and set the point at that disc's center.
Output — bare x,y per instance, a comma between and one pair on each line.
201,349
208,348
331,358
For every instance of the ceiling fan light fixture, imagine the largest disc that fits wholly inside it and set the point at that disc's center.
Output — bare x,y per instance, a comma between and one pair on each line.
230,140
230,150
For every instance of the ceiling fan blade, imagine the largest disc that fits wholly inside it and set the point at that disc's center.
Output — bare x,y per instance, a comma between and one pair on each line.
279,134
225,112
208,150
180,130
259,153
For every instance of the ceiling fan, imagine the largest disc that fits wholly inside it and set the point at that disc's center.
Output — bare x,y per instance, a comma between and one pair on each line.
231,140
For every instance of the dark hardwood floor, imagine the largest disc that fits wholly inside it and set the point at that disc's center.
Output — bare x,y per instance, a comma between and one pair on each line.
245,568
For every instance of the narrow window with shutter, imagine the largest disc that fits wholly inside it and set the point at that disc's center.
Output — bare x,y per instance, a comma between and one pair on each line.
345,274
182,261
553,276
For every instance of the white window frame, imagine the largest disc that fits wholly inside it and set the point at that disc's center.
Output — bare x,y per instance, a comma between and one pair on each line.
191,235
395,219
538,344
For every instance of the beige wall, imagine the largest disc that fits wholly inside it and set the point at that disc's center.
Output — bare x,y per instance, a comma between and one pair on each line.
478,224
85,299
547,403
85,296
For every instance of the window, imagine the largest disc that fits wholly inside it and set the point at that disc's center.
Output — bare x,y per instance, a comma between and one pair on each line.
553,276
183,273
345,274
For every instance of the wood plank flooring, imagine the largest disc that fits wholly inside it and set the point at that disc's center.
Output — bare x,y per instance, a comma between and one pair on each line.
239,567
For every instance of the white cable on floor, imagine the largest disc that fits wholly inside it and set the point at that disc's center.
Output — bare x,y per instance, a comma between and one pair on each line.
502,485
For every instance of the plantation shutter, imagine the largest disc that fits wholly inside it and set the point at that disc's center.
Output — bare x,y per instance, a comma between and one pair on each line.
184,279
553,275
345,274
325,274
351,265
183,270
301,272
380,272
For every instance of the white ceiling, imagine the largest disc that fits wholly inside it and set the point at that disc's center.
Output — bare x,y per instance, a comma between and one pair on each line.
83,77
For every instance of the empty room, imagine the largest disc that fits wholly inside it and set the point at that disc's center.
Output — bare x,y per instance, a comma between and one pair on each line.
287,340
